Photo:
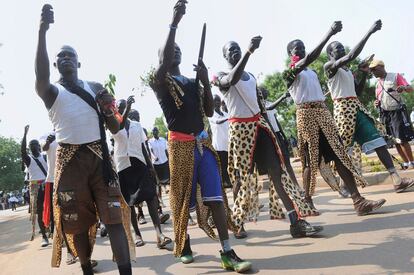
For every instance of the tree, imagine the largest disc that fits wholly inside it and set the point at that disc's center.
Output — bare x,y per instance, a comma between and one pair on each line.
11,176
159,123
286,111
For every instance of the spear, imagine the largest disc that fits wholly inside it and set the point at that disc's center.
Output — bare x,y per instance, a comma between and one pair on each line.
201,51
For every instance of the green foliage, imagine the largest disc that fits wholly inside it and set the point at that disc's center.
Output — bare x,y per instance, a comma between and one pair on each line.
409,99
159,123
11,176
276,86
110,84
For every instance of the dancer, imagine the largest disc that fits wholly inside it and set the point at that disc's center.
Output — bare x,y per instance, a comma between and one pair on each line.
253,144
36,166
49,145
279,134
392,109
86,185
318,137
220,138
193,161
159,156
354,122
135,177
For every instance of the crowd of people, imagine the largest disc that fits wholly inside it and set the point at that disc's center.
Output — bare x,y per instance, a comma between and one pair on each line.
79,185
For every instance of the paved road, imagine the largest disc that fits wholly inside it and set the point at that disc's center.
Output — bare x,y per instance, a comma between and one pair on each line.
375,244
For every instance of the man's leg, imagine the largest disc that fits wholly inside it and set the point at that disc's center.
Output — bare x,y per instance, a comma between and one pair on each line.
83,248
162,241
407,150
401,152
40,199
119,245
211,191
362,206
265,150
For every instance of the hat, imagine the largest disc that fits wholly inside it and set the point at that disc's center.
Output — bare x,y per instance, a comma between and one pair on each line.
376,63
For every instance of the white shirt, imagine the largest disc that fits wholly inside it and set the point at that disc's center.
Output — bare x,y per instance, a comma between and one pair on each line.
158,147
128,144
74,121
342,84
306,88
241,99
220,132
51,157
35,173
271,114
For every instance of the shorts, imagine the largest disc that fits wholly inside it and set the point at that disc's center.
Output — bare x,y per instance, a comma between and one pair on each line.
137,183
83,194
163,172
397,126
366,134
206,174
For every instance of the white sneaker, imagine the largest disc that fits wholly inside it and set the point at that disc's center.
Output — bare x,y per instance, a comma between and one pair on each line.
44,243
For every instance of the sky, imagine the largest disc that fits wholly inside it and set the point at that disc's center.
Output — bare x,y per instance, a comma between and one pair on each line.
122,37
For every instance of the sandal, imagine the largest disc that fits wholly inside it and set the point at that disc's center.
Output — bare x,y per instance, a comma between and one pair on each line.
163,241
70,259
139,242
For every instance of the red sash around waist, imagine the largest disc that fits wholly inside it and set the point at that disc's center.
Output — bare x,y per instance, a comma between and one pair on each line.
245,119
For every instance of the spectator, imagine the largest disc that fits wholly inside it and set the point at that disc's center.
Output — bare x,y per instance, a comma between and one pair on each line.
392,109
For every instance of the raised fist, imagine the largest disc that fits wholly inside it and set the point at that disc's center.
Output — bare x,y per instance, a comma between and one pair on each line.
376,27
336,27
47,17
179,11
255,43
26,129
130,101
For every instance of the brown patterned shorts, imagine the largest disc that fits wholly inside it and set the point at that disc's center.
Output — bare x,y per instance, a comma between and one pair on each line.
82,193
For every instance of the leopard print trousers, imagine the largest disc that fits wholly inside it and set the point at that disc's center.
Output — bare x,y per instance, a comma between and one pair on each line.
345,113
181,161
241,149
311,119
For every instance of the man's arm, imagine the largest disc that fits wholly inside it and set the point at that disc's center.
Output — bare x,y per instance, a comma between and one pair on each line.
402,85
44,89
332,67
49,140
208,103
236,73
314,54
278,101
23,146
166,53
359,85
104,100
130,101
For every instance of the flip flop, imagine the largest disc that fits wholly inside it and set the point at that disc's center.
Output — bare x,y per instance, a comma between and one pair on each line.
162,242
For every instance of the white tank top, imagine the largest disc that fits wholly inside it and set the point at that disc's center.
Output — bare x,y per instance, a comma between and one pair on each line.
241,99
35,173
342,84
74,121
306,88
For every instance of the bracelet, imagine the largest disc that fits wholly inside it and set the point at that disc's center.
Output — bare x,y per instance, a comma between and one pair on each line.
111,114
249,52
172,27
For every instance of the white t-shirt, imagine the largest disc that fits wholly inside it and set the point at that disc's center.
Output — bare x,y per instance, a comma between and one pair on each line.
158,147
241,99
342,84
271,114
220,132
128,144
35,173
51,157
306,88
74,121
